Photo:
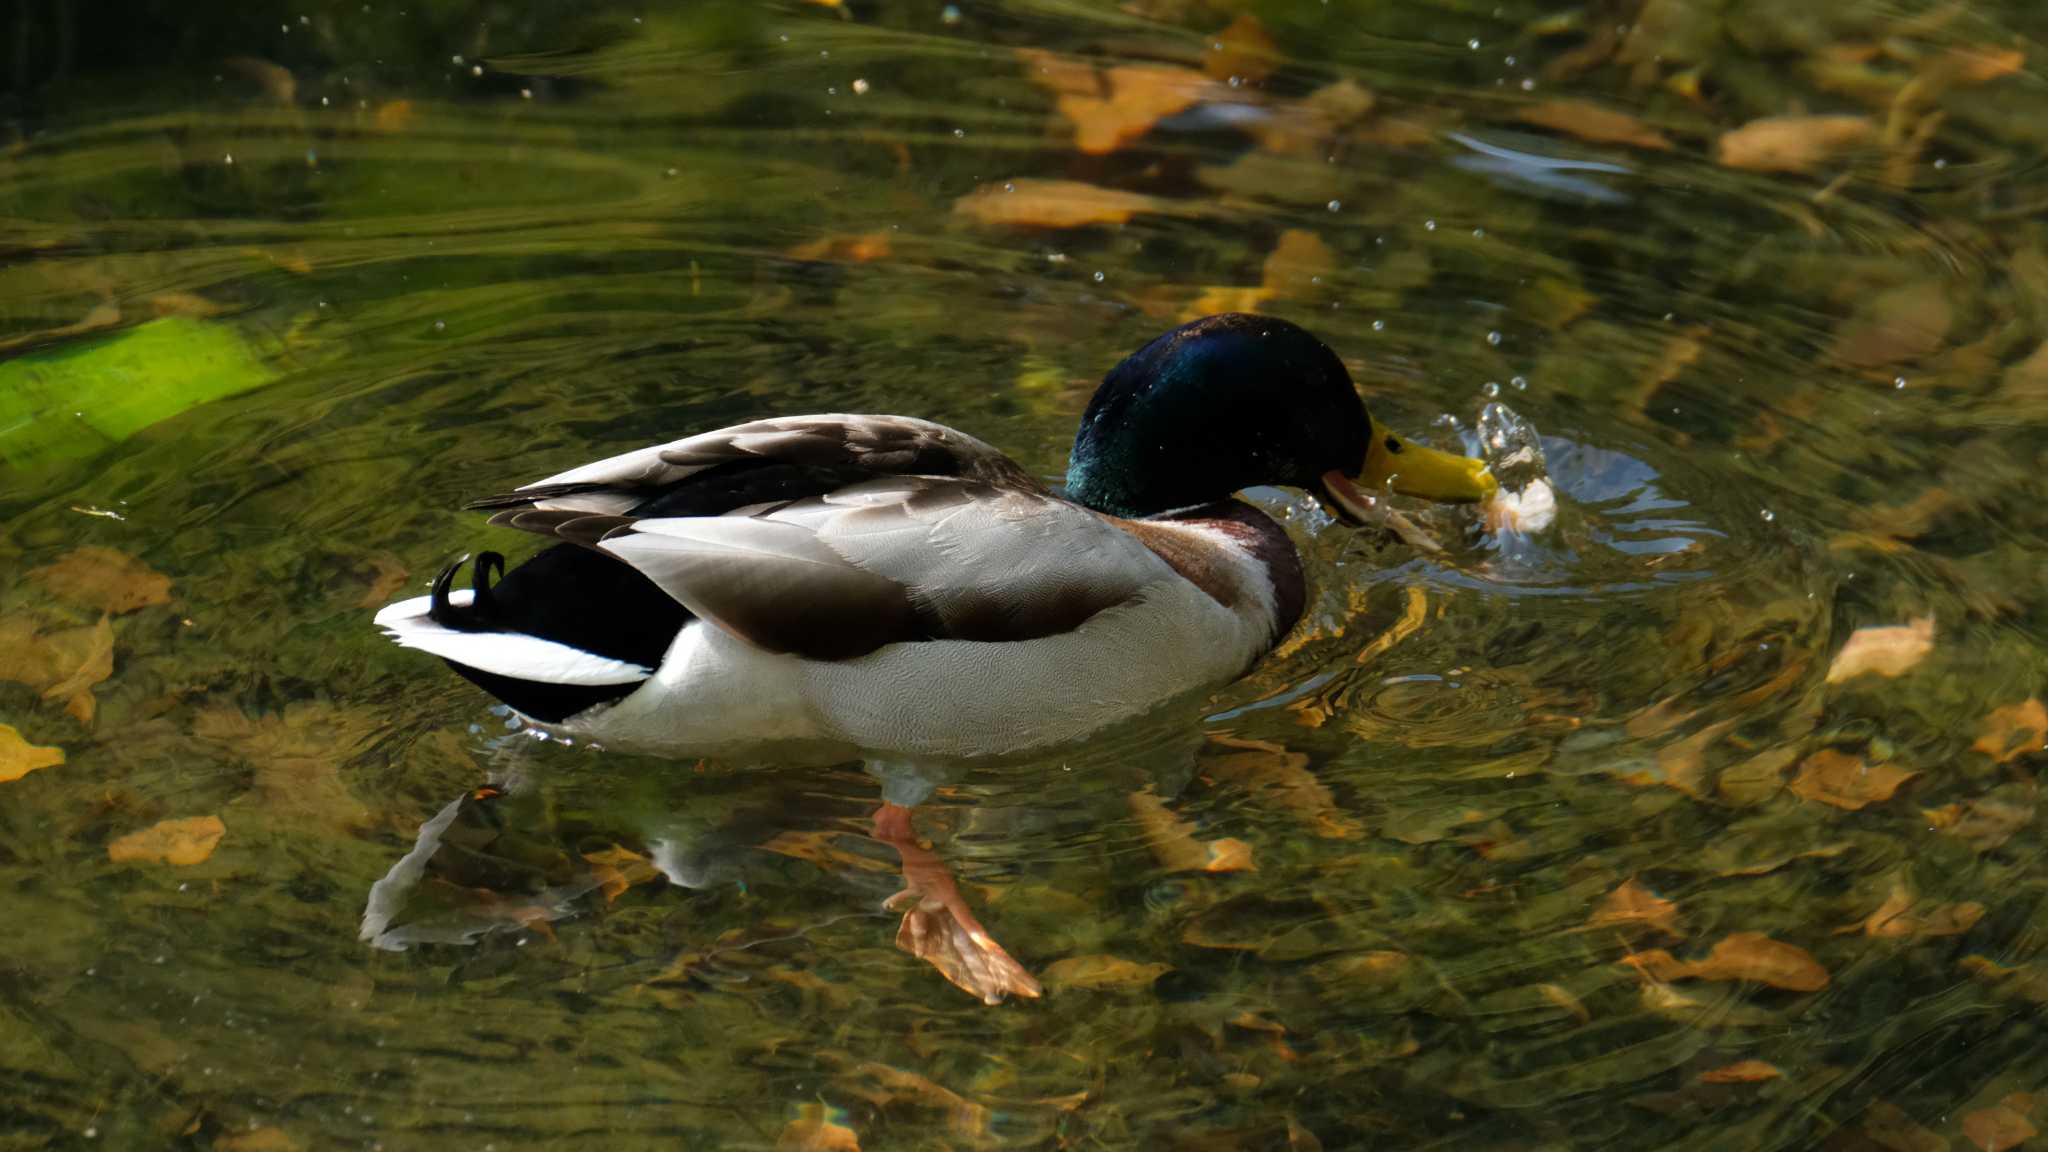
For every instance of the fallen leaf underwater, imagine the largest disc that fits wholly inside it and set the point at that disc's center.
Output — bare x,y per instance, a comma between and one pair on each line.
1706,814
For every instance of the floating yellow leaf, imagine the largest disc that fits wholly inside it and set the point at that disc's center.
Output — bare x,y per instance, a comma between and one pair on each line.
1741,1072
256,1140
1794,143
618,869
1101,972
1739,956
2013,731
1053,204
1589,121
393,116
105,579
1114,107
864,248
2001,1126
1971,64
1845,781
18,757
1632,903
178,842
1243,50
815,1130
1883,651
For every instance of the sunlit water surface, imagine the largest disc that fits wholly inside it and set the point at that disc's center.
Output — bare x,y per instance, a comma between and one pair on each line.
1777,407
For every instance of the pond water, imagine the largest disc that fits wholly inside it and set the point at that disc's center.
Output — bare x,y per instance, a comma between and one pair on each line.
1703,817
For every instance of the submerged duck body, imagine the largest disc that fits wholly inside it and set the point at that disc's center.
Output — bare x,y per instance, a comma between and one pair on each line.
896,586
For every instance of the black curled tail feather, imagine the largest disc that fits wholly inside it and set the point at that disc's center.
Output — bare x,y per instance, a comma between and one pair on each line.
481,613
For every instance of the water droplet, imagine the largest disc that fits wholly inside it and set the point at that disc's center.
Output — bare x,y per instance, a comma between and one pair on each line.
228,159
1528,85
323,102
1099,277
1898,381
1335,205
476,69
1479,233
1379,325
1769,515
1493,338
1473,44
1237,81
831,91
526,93
1009,187
439,325
959,133
860,87
455,59
671,173
1429,225
1940,164
1490,389
950,14
1521,383
1508,60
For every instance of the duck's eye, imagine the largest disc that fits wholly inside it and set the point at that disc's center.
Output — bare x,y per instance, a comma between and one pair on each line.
1393,445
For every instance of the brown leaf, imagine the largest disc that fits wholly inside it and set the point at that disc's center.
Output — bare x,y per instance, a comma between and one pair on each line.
1845,781
1886,1124
2001,1126
814,1130
104,579
1101,972
2013,731
1243,50
1741,1072
1894,918
256,1140
1739,956
1632,903
298,756
1989,820
1589,121
94,648
1563,998
388,581
863,248
1053,204
1173,840
1793,143
393,116
177,842
1883,651
18,757
1979,64
1899,325
1379,966
1272,773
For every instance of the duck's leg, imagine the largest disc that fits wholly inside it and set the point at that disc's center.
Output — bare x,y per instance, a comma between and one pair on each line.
938,927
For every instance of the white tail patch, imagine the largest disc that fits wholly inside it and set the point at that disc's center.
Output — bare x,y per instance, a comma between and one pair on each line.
512,654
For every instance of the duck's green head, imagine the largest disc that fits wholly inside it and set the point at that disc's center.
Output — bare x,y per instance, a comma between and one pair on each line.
1232,401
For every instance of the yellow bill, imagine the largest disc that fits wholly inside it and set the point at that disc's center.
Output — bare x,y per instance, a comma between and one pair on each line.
1412,470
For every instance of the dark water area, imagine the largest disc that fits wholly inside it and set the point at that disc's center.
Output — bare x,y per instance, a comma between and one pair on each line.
1703,817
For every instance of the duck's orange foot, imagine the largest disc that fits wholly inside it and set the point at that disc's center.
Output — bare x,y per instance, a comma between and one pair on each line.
945,935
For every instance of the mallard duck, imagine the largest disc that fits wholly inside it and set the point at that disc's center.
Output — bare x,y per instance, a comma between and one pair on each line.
894,586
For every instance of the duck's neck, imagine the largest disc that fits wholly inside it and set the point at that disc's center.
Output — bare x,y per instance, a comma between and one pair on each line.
1261,567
